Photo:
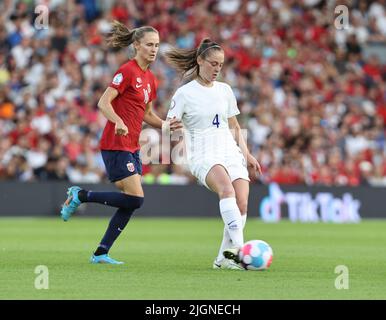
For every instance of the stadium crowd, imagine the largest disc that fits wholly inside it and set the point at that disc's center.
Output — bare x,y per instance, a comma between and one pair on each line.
313,102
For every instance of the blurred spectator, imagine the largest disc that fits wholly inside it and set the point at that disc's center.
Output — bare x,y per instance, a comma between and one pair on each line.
51,171
80,173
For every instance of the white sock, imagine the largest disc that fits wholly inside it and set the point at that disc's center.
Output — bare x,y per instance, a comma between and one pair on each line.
232,218
226,239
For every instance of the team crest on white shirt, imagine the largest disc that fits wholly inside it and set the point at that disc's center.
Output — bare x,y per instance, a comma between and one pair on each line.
118,79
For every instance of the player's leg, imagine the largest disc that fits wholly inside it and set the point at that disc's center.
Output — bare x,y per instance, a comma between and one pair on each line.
129,186
219,181
76,196
239,176
124,169
119,165
241,188
131,195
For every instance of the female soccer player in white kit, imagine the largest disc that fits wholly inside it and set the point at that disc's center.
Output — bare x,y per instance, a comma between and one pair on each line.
208,110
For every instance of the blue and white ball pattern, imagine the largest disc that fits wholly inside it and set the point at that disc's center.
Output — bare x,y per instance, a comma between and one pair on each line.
256,255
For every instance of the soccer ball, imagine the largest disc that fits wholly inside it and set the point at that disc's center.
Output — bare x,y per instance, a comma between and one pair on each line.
256,255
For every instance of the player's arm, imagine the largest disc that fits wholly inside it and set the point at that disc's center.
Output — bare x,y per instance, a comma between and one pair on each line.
151,118
155,121
104,105
236,129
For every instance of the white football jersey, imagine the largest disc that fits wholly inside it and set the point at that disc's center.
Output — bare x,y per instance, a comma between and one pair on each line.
204,111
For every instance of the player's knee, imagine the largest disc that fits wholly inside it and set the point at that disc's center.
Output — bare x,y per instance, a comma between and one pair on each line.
226,191
134,202
138,203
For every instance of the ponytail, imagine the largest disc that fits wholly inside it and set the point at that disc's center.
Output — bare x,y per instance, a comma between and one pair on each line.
185,60
120,36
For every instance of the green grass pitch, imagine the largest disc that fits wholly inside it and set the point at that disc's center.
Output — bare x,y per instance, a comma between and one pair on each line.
172,259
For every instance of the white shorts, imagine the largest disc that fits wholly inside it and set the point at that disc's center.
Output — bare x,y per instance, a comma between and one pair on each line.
235,166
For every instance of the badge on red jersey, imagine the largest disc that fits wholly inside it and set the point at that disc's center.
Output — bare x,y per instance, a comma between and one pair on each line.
118,79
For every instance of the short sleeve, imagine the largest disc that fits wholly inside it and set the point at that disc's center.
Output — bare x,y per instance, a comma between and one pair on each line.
177,106
233,110
120,80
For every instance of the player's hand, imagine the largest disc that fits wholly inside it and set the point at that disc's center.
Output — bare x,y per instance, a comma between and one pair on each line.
175,124
121,129
254,164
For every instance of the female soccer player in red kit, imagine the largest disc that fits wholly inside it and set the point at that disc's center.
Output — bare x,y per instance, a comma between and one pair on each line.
126,103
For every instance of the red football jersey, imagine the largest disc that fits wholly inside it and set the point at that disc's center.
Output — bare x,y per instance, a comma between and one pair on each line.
136,89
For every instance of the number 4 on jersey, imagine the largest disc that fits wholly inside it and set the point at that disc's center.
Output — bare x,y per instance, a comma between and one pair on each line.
215,121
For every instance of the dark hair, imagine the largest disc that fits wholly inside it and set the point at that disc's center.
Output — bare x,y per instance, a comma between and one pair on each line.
120,36
185,60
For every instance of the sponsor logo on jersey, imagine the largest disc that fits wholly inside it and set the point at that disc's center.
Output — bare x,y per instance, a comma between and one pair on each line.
118,79
130,167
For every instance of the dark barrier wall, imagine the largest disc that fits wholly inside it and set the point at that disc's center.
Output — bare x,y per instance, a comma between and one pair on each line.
271,203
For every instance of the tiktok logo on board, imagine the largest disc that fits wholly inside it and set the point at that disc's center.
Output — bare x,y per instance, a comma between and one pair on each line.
303,207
